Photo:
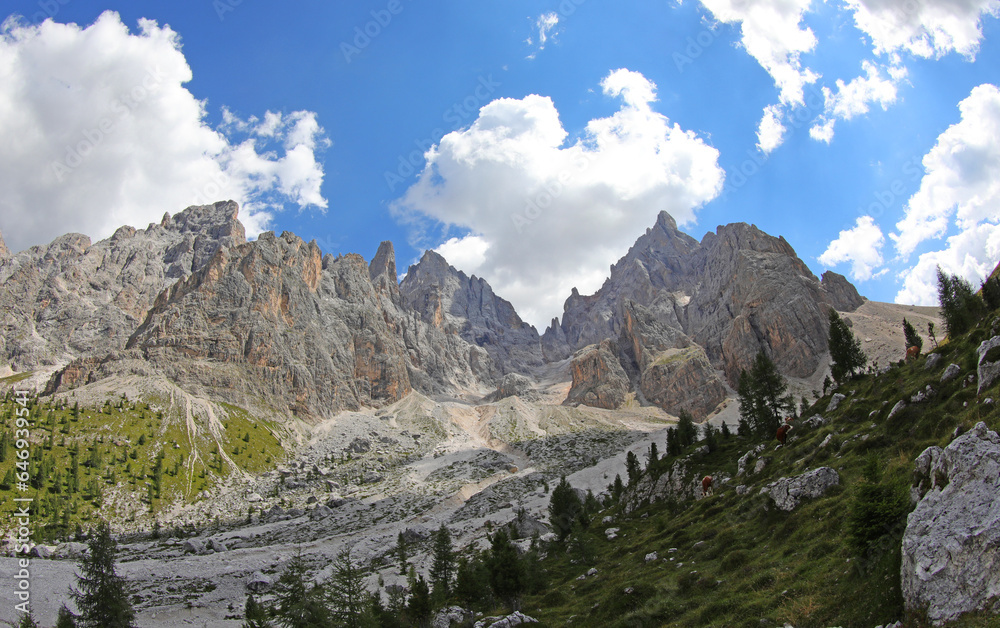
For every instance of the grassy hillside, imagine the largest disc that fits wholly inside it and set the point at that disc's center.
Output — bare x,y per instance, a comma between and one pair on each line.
732,560
125,460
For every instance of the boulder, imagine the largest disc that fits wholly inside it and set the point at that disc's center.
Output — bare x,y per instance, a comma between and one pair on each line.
259,583
194,546
933,360
835,402
951,372
787,493
741,465
514,619
951,545
896,409
815,421
988,368
446,617
650,557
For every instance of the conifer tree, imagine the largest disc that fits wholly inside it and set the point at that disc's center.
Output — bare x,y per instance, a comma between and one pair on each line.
632,468
27,621
65,618
346,593
101,594
960,306
419,607
911,337
297,604
506,573
846,356
687,433
444,564
565,508
255,614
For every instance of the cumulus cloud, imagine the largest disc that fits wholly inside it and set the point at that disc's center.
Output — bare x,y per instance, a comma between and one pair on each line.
773,34
98,131
544,216
925,29
770,132
861,246
958,192
853,98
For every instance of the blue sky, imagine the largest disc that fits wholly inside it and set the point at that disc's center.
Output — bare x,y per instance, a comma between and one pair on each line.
866,133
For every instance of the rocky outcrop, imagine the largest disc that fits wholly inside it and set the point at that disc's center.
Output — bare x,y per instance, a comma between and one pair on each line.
988,369
737,292
843,295
683,379
788,493
513,385
4,251
455,303
73,299
951,545
598,378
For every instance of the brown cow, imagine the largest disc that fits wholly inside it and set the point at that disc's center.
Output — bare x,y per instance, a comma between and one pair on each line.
912,353
706,486
782,433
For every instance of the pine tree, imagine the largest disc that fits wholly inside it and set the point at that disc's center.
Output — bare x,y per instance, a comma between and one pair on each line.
617,488
471,582
930,332
506,573
725,431
846,356
27,621
990,289
101,594
296,603
653,456
65,618
419,607
346,593
711,440
444,564
911,337
687,433
401,554
254,614
565,508
632,468
761,394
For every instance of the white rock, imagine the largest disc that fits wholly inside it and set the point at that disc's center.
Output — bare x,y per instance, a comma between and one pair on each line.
787,493
988,372
951,372
835,402
896,409
951,546
650,557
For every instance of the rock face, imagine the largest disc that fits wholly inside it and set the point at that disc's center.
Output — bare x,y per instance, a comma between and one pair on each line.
737,292
951,546
683,379
266,323
844,296
788,493
598,378
71,298
455,303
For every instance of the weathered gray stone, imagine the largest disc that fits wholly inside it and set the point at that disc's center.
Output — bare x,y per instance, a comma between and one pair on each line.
896,409
514,619
933,360
951,372
988,368
598,378
951,545
788,493
835,402
447,617
741,465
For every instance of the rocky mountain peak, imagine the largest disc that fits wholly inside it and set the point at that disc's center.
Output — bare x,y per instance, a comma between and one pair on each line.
843,295
382,270
217,221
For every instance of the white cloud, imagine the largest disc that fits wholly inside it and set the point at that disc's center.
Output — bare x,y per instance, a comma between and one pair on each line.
545,217
924,28
770,132
853,98
772,33
960,175
98,131
468,253
861,246
545,24
959,190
